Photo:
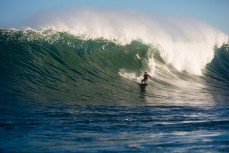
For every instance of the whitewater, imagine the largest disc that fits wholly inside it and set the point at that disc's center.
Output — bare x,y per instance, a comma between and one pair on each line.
69,82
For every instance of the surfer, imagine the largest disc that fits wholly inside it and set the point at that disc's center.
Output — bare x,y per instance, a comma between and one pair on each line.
145,78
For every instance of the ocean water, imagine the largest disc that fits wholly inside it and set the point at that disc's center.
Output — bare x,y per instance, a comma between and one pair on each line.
66,88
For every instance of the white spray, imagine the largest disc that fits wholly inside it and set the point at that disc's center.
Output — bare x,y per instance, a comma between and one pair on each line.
186,44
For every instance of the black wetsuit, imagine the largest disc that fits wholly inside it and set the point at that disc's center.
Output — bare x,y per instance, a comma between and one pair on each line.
145,78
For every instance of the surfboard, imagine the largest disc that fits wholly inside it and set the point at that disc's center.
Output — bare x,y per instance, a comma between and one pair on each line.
143,84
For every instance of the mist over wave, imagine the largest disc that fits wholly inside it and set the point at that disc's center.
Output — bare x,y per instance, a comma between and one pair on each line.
185,43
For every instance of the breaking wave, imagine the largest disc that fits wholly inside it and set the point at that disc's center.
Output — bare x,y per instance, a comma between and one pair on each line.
101,56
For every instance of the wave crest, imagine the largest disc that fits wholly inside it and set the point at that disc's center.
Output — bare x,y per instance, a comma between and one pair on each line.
185,43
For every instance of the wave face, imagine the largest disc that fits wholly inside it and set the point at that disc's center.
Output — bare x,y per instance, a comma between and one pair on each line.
57,66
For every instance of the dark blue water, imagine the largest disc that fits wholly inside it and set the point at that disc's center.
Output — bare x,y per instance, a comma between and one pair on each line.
59,127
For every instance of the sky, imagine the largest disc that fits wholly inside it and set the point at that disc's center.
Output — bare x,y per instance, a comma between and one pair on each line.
14,13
